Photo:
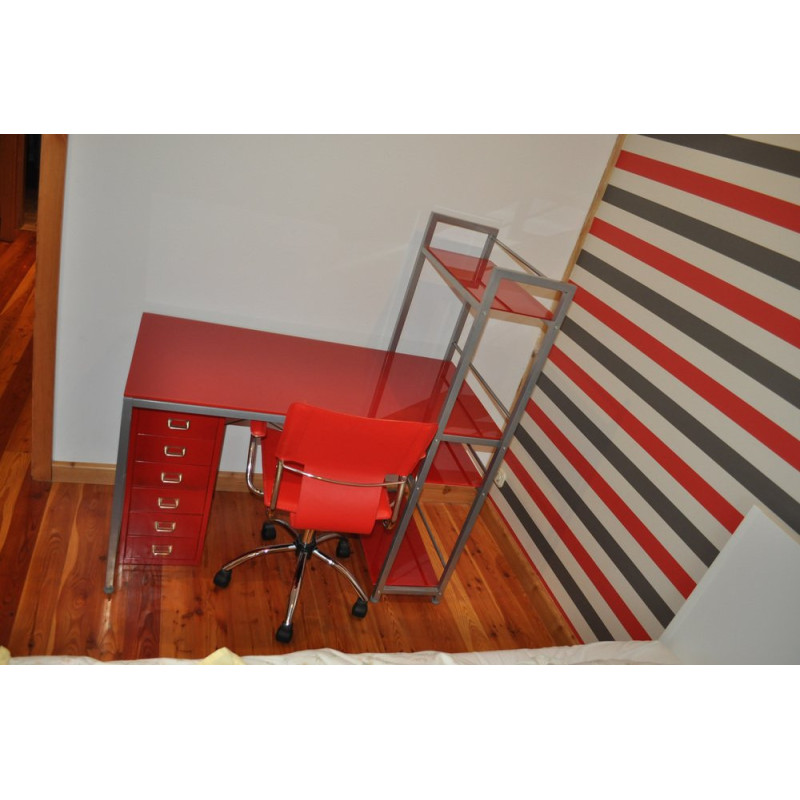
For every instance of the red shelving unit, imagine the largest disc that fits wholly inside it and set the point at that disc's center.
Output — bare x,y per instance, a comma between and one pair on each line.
412,567
399,562
454,467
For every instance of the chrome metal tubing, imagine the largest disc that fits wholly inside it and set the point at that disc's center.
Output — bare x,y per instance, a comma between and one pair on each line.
260,551
519,259
304,545
332,562
252,452
382,484
485,386
297,583
326,537
273,503
431,536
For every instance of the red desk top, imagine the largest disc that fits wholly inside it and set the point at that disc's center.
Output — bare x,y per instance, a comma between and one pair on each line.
245,371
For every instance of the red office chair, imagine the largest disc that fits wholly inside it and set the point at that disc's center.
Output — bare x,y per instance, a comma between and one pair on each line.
330,472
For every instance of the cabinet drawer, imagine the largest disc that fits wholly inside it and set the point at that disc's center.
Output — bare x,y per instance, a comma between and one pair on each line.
168,423
170,450
164,526
172,464
167,500
166,475
147,550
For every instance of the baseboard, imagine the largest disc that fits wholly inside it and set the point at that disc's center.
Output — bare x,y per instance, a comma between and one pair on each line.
103,474
80,472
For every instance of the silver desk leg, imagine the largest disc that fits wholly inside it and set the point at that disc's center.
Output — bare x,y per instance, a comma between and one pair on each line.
119,494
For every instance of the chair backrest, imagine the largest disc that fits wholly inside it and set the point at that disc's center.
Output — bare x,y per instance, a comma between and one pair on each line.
349,448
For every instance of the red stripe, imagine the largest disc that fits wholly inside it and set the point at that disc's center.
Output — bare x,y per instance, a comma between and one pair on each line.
756,204
593,572
701,490
650,544
757,311
758,425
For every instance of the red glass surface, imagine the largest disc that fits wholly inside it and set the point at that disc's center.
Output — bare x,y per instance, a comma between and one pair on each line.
205,364
412,566
453,467
474,273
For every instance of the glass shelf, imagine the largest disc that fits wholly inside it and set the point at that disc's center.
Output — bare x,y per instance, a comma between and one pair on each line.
473,275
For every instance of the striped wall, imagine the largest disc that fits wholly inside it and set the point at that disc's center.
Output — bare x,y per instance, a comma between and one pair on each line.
670,402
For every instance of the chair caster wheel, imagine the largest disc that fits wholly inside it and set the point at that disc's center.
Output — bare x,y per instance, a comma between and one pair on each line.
343,549
268,532
222,578
284,633
360,608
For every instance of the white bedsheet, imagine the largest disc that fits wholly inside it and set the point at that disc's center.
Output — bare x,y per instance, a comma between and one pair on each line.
595,653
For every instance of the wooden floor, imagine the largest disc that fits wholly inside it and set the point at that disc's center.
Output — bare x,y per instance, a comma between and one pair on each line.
53,540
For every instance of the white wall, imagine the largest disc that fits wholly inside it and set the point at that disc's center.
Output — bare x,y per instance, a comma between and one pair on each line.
311,235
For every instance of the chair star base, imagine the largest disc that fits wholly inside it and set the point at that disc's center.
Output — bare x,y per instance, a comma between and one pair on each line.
304,546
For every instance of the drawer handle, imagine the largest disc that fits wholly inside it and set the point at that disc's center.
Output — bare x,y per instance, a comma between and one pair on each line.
178,424
174,452
161,549
168,503
171,477
165,527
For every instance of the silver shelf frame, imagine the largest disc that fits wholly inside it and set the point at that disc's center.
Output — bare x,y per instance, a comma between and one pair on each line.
481,312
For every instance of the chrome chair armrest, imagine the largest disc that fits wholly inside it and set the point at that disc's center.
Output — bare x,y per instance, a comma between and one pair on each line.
400,484
385,484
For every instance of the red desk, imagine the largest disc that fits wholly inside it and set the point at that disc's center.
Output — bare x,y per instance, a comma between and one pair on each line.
188,367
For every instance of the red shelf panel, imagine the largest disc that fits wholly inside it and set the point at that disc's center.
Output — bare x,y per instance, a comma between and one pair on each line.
474,273
412,566
453,466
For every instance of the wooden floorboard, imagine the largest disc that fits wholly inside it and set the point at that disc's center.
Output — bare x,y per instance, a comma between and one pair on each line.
53,540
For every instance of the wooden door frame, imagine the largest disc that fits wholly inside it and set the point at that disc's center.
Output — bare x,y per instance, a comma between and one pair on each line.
48,265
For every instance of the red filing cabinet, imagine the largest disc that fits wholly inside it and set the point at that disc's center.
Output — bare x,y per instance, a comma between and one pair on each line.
171,474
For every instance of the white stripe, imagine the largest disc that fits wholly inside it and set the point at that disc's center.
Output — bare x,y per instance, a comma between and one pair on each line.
644,461
748,176
754,393
555,586
777,351
773,237
685,449
632,548
764,287
596,552
763,459
592,593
